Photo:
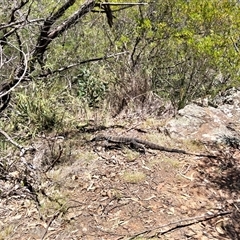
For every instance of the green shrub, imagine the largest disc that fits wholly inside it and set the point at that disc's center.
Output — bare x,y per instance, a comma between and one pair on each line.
38,109
90,89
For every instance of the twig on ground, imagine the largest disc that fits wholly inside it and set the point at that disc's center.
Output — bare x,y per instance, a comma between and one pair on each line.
50,222
236,207
191,178
179,224
56,160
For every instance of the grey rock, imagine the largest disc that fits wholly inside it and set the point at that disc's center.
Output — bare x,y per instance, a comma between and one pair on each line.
208,123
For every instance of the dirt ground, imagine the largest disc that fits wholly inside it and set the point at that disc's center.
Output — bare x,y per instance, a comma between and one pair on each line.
88,190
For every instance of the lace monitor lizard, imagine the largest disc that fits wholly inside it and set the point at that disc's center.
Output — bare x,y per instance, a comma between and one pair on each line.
141,144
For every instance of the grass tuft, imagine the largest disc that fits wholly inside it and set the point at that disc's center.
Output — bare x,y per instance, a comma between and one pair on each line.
133,177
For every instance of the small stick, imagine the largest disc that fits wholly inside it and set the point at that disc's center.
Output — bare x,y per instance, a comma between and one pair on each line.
180,224
22,149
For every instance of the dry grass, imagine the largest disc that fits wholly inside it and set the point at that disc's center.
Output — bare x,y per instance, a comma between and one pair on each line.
133,177
131,155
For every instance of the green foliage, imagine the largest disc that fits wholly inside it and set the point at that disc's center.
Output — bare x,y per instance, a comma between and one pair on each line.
180,50
41,113
90,89
38,110
185,49
195,43
4,144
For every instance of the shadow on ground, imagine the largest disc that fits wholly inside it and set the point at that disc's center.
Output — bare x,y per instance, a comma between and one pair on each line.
223,176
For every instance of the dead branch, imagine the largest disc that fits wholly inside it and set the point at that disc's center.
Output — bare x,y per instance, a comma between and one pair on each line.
18,24
22,4
47,35
156,232
45,38
55,160
72,20
22,149
108,12
62,69
125,6
56,214
10,140
8,87
11,22
50,30
118,4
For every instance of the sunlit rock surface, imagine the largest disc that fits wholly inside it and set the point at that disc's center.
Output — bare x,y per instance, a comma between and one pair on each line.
214,122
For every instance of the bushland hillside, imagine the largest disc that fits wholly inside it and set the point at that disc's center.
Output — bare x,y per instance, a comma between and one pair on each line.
165,72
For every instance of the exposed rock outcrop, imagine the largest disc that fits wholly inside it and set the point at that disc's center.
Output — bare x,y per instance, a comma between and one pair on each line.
217,122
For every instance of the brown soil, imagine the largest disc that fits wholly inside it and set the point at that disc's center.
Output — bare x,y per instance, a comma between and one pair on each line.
90,191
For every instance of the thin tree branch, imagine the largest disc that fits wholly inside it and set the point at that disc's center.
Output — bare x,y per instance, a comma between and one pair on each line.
43,39
21,71
125,6
108,12
20,147
10,140
47,35
20,46
72,20
117,4
59,13
79,63
56,214
12,18
7,25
